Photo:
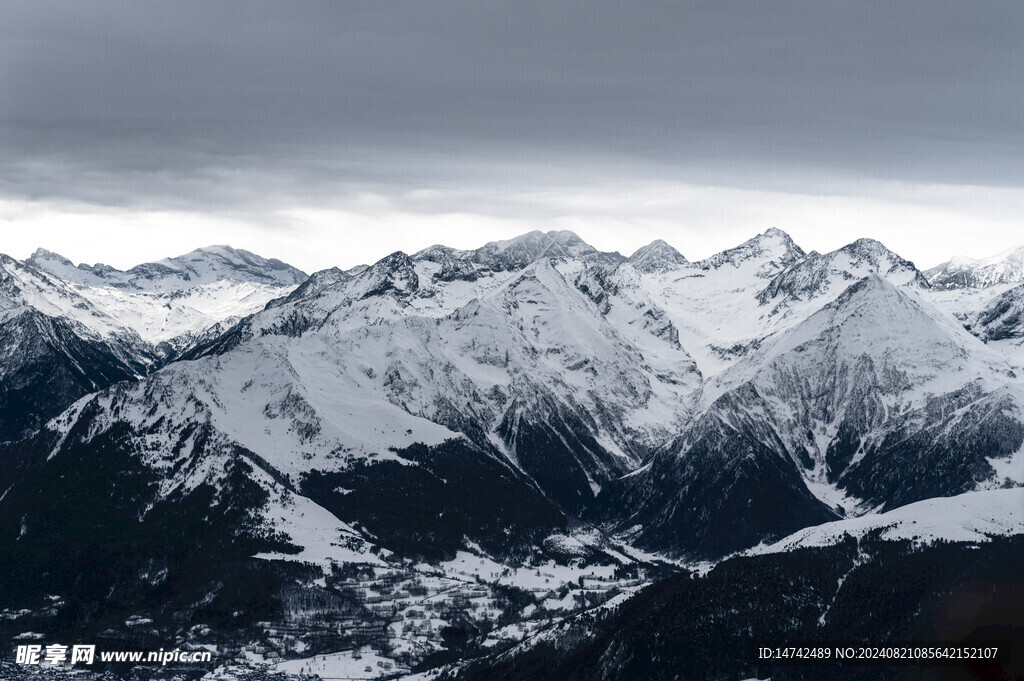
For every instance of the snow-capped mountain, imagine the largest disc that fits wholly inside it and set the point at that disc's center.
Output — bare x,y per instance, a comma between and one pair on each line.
523,250
656,256
971,517
68,331
172,303
1001,319
772,251
570,367
711,304
963,272
55,347
534,406
201,266
821,277
876,399
529,364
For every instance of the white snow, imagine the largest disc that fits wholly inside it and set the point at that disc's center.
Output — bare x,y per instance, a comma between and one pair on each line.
1008,468
969,517
322,538
379,358
1004,267
362,663
164,316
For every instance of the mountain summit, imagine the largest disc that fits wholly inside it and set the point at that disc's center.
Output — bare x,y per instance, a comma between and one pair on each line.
656,256
201,266
963,272
773,249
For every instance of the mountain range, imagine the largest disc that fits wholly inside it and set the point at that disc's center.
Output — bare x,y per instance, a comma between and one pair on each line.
448,458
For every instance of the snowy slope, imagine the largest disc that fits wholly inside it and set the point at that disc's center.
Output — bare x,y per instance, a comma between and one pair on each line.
1002,318
970,517
529,361
201,266
454,419
963,272
176,317
802,288
175,300
655,257
877,399
26,287
922,350
55,346
572,366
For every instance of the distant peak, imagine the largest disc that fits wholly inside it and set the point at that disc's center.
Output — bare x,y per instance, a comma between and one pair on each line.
966,272
657,245
43,254
222,261
656,256
866,244
434,253
773,237
782,238
218,250
395,273
776,233
564,236
773,249
222,250
524,249
961,261
880,257
396,259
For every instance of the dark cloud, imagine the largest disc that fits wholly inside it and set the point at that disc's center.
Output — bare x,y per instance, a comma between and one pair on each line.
217,103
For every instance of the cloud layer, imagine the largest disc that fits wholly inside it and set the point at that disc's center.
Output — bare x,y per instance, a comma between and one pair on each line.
257,109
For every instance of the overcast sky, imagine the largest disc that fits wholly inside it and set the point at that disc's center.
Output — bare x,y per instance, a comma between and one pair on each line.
332,133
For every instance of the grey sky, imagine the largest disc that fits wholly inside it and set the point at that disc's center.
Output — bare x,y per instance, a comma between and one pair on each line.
258,113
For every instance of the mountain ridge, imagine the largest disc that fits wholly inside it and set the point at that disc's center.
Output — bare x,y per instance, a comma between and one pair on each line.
962,272
200,266
514,433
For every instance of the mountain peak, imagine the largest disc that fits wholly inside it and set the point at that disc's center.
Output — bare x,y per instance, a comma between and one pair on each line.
42,254
395,272
964,272
215,248
657,256
776,239
825,275
59,266
773,250
225,262
565,237
195,268
882,260
522,250
882,319
398,259
436,253
866,246
774,233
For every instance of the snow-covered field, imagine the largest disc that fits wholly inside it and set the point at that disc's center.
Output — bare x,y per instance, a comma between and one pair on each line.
970,517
